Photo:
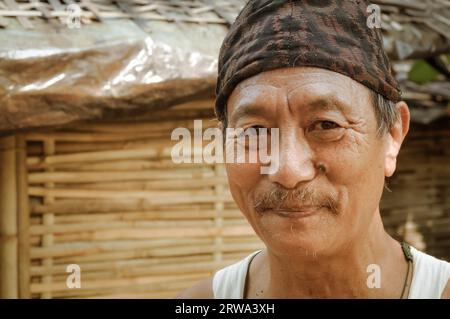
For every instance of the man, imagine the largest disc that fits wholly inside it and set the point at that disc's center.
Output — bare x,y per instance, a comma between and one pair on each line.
316,71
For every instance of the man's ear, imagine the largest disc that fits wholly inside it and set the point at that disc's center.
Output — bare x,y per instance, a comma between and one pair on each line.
395,138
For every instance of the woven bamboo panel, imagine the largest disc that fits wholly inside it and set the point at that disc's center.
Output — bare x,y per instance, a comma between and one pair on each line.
420,190
108,198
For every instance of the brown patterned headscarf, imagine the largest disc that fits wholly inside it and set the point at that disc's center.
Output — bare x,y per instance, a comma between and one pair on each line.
334,35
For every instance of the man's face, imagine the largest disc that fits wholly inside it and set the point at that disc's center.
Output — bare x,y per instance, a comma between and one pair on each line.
331,167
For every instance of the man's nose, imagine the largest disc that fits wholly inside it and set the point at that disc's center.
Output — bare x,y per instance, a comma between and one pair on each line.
295,162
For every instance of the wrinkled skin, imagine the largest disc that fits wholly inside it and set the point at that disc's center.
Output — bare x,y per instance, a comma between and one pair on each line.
318,214
329,145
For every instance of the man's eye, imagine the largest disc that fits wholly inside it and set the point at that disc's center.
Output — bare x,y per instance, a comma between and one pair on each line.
256,130
325,125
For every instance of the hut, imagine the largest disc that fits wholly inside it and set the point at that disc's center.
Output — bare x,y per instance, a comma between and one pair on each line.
86,115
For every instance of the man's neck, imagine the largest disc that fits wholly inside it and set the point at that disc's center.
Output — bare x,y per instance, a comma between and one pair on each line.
341,275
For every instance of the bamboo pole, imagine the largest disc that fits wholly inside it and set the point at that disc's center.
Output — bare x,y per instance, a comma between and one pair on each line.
144,253
125,165
157,185
100,156
191,214
166,232
130,287
118,265
100,193
100,206
8,219
118,283
176,249
156,152
115,128
90,248
135,267
153,198
148,225
86,177
48,219
131,257
111,205
23,219
92,137
135,272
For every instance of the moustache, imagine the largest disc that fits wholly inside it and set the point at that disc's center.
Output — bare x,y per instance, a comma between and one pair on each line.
280,198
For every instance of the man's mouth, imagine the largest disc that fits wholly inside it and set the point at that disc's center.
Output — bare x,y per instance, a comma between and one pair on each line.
293,212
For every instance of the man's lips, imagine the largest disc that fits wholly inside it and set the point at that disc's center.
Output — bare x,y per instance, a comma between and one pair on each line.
293,212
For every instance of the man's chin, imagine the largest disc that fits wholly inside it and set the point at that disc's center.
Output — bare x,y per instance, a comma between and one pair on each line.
307,232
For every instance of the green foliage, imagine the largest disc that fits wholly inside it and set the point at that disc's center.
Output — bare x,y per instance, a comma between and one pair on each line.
422,72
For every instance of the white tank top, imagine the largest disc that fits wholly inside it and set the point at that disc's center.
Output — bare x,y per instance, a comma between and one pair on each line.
430,276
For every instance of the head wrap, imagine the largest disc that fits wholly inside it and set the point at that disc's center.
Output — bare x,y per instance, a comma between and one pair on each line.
334,35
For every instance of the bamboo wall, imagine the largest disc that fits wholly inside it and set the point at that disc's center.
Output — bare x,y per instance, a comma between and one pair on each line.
108,198
420,190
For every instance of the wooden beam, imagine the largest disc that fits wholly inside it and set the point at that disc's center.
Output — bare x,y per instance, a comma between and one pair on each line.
8,219
23,213
48,239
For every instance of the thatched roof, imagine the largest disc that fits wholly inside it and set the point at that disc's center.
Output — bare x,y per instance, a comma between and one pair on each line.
415,28
132,56
419,29
127,58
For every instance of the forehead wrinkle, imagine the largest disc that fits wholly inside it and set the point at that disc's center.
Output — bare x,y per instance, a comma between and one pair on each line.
254,83
324,102
257,94
253,103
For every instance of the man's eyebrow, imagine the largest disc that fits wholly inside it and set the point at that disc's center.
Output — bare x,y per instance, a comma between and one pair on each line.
247,109
323,103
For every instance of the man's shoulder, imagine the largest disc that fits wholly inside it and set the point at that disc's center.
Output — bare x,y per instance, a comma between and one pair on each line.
201,290
432,269
421,256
